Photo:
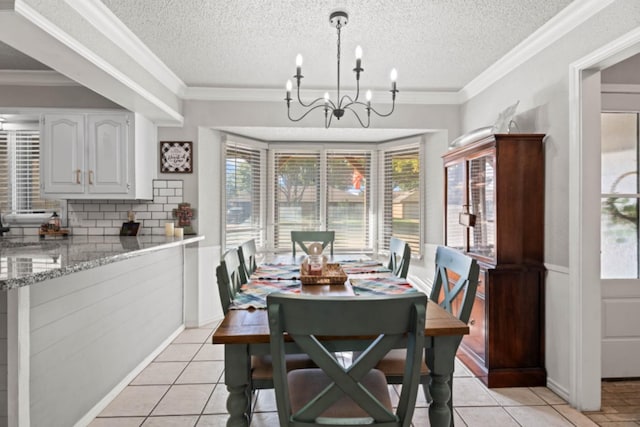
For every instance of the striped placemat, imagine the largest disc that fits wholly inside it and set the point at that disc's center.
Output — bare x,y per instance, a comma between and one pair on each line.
381,286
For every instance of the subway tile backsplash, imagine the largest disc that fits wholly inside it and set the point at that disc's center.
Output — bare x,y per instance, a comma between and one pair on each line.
105,217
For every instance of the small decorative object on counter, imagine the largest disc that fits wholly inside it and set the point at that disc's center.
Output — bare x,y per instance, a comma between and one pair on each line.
178,232
184,214
54,222
168,229
129,228
52,227
3,229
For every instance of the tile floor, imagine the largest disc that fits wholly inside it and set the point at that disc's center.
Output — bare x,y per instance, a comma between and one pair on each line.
184,386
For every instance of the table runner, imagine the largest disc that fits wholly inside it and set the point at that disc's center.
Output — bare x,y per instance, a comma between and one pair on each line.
381,286
254,294
363,267
276,272
292,272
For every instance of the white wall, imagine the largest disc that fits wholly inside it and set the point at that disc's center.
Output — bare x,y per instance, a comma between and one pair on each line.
52,97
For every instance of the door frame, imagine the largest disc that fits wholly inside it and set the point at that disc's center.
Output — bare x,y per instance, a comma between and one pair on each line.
585,303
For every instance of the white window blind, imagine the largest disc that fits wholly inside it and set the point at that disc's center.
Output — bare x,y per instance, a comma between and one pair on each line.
244,194
402,194
296,182
348,195
20,174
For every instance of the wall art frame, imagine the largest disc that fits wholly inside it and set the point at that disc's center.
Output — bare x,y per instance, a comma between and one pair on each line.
176,157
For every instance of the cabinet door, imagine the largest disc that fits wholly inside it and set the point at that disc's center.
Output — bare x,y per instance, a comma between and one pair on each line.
455,234
63,153
108,156
482,203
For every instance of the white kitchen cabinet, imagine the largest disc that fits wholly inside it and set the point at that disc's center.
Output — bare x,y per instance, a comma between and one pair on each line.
95,155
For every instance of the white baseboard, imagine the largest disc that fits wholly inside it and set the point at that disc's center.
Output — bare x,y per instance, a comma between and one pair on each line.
95,411
557,389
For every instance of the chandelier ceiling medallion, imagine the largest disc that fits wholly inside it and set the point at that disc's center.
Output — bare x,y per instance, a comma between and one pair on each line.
338,108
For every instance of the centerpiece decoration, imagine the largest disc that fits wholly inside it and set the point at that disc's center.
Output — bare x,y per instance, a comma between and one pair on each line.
315,270
184,214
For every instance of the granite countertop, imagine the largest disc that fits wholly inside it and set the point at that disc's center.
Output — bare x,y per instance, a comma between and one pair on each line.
28,260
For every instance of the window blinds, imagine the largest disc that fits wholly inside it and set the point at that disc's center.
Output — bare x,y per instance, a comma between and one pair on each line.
402,194
244,194
348,196
296,183
20,174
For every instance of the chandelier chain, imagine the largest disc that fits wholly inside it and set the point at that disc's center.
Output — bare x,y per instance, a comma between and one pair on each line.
339,27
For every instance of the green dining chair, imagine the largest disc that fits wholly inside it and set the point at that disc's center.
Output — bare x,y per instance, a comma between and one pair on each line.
247,253
345,395
450,264
399,257
229,283
300,238
230,278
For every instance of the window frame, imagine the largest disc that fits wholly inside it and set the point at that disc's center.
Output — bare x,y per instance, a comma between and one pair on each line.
262,148
399,145
27,219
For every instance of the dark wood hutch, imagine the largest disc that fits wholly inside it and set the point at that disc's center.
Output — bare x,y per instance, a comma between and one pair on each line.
494,212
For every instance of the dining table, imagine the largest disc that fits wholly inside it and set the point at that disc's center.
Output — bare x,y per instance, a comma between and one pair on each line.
244,330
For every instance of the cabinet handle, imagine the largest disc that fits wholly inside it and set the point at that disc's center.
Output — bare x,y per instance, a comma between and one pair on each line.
472,322
90,177
78,172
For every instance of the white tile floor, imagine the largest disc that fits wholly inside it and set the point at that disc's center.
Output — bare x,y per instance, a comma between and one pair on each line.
184,386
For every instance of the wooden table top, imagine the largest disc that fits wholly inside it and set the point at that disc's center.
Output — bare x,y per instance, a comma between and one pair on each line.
252,326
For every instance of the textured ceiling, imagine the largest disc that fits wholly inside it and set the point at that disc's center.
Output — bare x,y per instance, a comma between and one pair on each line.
434,44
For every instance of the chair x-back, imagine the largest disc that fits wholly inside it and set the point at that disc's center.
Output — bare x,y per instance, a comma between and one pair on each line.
302,237
230,277
461,294
247,254
399,257
345,395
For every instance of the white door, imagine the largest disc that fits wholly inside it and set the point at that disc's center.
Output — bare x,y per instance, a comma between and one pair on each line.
62,159
108,154
620,248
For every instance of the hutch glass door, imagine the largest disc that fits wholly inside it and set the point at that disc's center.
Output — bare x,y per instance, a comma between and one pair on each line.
482,236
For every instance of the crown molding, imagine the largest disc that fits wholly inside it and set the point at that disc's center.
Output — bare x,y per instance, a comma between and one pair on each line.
558,26
101,17
89,55
34,78
277,95
105,21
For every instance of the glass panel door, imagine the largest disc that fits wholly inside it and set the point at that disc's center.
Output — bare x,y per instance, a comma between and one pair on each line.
482,204
455,233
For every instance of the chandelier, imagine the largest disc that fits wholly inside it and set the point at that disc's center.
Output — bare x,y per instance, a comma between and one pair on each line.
345,103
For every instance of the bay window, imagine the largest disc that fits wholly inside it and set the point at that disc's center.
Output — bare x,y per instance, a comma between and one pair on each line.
328,187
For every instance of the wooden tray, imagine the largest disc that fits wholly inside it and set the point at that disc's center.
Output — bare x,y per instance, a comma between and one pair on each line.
332,274
62,232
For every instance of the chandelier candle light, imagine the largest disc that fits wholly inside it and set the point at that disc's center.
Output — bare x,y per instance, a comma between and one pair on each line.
339,19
